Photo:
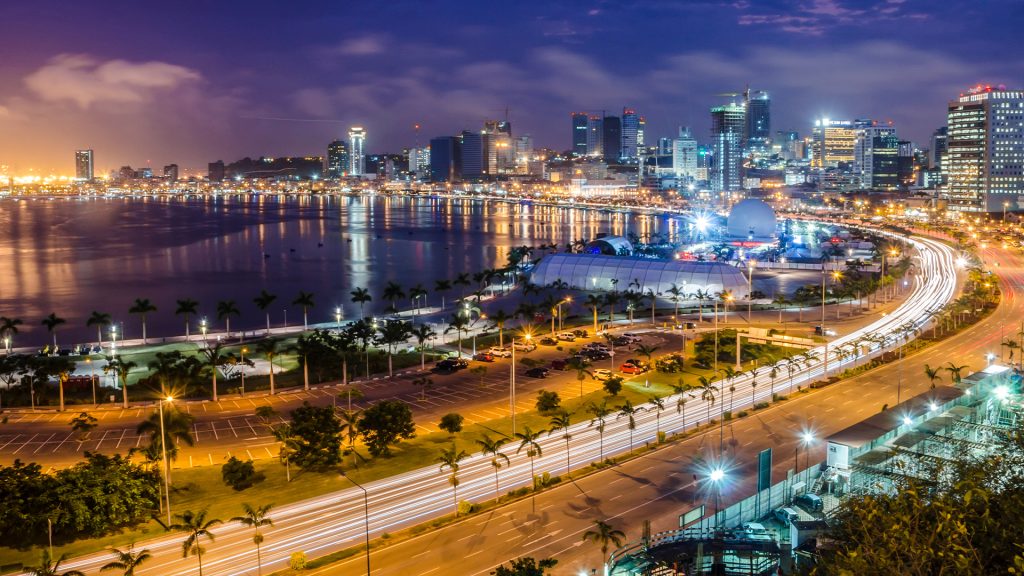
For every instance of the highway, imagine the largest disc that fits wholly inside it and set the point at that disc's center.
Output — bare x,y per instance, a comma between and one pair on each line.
335,521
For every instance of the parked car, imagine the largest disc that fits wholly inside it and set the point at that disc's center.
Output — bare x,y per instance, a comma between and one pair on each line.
631,336
559,365
594,355
595,346
484,357
629,367
538,372
548,341
809,502
499,352
581,333
447,365
819,331
621,341
786,516
567,336
602,374
756,531
524,346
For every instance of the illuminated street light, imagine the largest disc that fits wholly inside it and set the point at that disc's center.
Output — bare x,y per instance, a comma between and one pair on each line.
163,456
907,420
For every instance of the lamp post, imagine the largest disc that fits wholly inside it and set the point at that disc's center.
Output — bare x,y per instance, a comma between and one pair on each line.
366,516
202,327
163,457
717,476
558,307
751,264
113,340
337,318
241,368
92,377
512,380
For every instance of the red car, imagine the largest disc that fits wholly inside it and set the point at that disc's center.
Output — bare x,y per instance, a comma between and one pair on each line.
484,357
633,367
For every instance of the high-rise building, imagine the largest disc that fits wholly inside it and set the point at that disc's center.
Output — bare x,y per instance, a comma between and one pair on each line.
523,146
938,148
871,134
684,155
357,152
834,143
499,148
419,162
215,171
595,136
338,162
759,119
171,173
728,124
984,164
445,159
641,129
630,134
906,164
579,133
84,167
611,138
473,155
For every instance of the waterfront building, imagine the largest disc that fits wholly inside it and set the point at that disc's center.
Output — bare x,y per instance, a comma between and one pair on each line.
630,134
728,124
357,152
579,133
84,166
834,142
937,152
171,173
445,159
611,138
684,154
215,171
758,119
337,159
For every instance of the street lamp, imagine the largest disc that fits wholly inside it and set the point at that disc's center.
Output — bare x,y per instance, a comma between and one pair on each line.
202,327
717,476
113,340
366,516
806,439
512,379
92,377
558,307
163,456
241,368
337,318
751,264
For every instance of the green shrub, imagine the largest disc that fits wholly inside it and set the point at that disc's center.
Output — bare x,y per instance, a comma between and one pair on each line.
238,474
661,437
297,561
761,405
465,507
727,415
741,413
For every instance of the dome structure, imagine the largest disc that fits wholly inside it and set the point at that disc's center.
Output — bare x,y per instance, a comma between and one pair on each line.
610,246
751,219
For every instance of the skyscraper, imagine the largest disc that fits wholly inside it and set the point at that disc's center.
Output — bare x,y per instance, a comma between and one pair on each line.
171,173
984,165
728,124
938,148
337,159
595,135
473,158
684,154
834,143
873,136
611,138
215,171
759,120
579,133
84,166
630,134
445,159
357,153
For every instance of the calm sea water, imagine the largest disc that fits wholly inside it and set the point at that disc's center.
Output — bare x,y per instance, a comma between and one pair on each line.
72,256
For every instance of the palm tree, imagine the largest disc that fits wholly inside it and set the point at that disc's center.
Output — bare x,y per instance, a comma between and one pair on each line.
595,302
49,567
142,307
500,318
493,447
646,351
100,320
263,302
604,535
463,281
213,359
600,412
225,310
51,322
305,300
127,560
582,368
187,308
256,518
177,430
349,420
707,392
528,439
459,324
442,286
681,390
562,422
658,404
933,374
8,328
120,367
392,293
780,302
269,350
392,333
289,445
701,296
450,458
675,295
954,372
361,296
610,300
630,412
196,527
422,333
417,294
773,373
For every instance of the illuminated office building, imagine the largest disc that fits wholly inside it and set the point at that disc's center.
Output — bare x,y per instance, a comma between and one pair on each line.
357,152
84,167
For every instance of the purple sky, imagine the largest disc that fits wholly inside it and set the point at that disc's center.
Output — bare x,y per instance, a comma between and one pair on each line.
195,81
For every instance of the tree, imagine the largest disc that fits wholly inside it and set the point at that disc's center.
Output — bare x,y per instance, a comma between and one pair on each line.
582,368
528,439
393,293
143,307
658,405
318,434
458,324
422,333
187,308
177,428
393,333
384,424
500,319
450,458
212,360
629,411
548,402
780,301
49,567
600,412
121,368
933,374
289,445
225,310
256,518
127,561
707,392
361,296
100,320
451,423
305,300
8,328
239,474
51,322
425,383
675,295
604,535
350,430
418,296
83,423
493,448
561,422
955,371
269,349
263,302
442,286
525,567
613,385
595,302
646,351
196,526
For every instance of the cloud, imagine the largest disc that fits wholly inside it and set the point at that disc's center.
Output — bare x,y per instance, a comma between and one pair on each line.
814,17
86,81
363,46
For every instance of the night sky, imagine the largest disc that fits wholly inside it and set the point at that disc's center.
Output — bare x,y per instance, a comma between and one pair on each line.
191,82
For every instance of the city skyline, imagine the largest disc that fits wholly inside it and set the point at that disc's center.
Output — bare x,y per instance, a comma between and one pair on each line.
221,87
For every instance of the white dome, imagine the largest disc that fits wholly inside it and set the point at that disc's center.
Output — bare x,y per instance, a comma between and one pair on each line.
751,218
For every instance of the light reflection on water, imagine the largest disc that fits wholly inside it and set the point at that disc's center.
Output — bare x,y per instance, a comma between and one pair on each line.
72,256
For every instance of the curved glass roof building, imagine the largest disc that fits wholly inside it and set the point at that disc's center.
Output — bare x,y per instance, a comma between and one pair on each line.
595,272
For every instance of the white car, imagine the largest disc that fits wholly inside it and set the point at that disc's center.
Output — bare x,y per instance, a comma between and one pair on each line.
524,346
567,337
602,374
499,351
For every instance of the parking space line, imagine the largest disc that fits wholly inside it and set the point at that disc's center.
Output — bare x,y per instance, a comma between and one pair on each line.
43,443
15,437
